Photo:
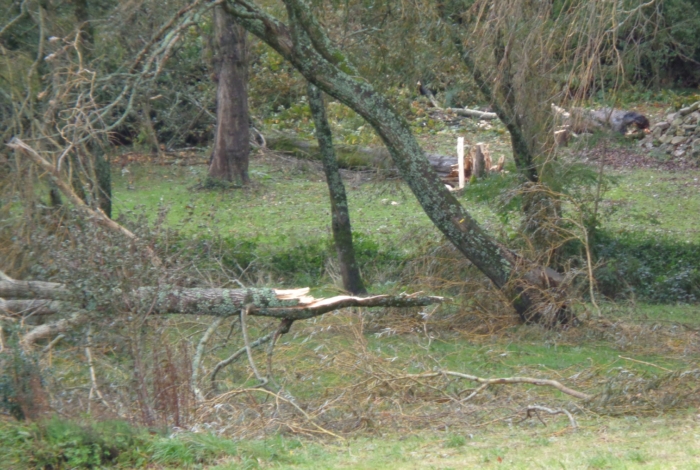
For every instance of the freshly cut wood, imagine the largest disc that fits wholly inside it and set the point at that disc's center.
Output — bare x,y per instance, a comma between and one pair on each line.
562,137
444,165
498,167
488,163
460,161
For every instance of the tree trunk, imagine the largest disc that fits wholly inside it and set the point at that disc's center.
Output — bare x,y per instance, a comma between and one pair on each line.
103,171
307,47
340,216
231,143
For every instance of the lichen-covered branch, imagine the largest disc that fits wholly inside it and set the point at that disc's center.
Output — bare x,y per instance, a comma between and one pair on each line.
289,305
13,289
266,302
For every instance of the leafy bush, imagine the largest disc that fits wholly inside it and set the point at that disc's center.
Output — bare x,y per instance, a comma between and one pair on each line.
62,444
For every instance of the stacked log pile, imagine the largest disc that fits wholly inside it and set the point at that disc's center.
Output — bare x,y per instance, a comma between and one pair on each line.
677,135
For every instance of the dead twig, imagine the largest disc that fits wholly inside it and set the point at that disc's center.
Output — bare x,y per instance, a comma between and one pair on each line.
277,396
236,355
249,350
503,380
53,343
645,363
283,328
94,389
535,409
197,359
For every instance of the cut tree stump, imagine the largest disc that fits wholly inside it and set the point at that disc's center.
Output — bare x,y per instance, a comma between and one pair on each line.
479,160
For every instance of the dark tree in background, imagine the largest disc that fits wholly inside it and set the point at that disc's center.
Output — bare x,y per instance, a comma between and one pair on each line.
231,142
103,173
340,223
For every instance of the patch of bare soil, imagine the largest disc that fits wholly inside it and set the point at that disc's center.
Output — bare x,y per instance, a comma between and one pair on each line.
631,158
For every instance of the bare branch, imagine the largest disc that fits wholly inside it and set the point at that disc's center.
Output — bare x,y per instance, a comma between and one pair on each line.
49,329
504,381
535,408
196,360
248,349
22,13
236,355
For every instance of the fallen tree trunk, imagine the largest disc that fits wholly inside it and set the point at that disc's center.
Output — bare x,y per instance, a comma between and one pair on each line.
352,156
292,305
474,113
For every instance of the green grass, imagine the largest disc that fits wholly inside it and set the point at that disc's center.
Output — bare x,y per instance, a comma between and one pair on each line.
648,245
650,313
656,203
609,443
280,209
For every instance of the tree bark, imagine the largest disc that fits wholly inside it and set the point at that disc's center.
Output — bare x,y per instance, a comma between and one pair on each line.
340,216
231,143
307,47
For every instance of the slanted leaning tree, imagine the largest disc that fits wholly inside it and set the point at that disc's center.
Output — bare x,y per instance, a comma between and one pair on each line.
306,45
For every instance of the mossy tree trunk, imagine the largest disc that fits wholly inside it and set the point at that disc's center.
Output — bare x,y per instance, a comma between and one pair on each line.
340,216
231,143
307,47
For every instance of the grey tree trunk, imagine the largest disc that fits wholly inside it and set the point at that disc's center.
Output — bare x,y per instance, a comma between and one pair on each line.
231,144
308,49
340,216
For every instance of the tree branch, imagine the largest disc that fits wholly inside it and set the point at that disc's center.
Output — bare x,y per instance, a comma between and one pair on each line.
96,214
504,381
